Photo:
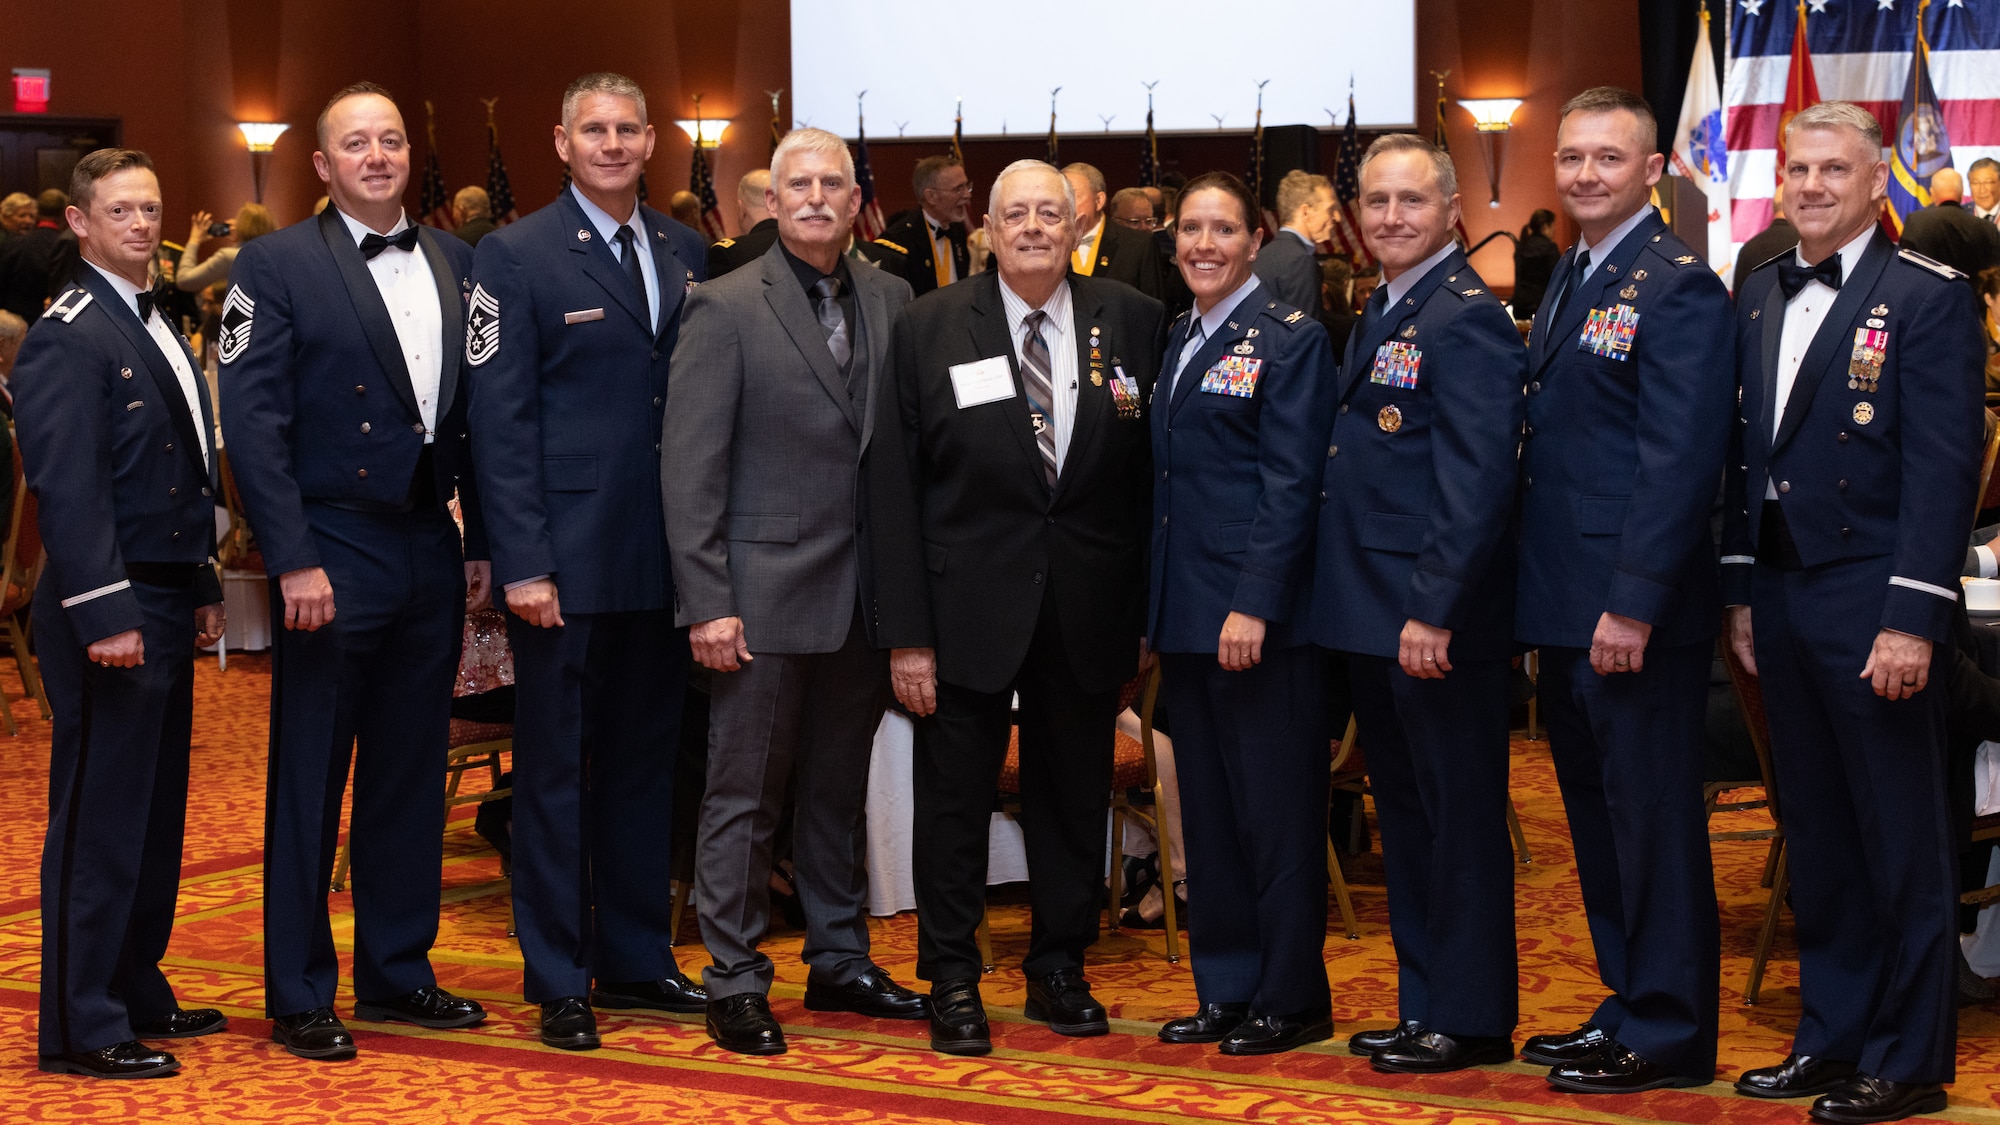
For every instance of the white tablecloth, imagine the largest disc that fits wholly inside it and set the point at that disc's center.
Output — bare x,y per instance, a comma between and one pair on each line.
891,810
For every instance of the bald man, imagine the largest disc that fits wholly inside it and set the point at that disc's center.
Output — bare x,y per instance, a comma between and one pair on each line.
754,219
1947,232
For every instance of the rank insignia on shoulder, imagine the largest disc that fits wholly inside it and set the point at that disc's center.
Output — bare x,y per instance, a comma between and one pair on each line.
725,243
482,327
891,245
1686,260
69,304
1629,292
1472,292
1931,264
232,333
1296,316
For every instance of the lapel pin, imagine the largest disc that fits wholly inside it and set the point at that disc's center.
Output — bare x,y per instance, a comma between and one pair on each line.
583,236
1611,269
1232,324
1450,280
1097,378
125,371
1754,313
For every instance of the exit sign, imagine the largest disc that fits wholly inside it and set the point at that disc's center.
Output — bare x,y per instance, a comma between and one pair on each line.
31,90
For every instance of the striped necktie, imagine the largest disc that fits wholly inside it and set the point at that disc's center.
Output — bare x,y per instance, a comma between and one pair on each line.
1036,373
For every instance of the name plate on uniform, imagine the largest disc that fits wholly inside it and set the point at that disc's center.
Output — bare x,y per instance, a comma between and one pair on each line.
583,315
984,381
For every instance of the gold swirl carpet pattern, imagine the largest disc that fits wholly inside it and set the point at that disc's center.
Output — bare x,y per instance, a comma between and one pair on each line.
841,1068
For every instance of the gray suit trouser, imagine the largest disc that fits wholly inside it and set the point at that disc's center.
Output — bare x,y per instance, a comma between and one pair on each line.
806,719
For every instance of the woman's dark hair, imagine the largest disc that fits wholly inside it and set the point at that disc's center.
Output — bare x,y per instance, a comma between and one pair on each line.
1539,222
1223,181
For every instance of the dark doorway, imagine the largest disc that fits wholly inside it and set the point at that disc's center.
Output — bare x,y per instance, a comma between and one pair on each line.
38,152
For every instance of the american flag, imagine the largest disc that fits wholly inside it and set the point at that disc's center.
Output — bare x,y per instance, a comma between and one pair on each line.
1149,153
702,183
433,203
1347,189
1443,142
498,191
1054,158
869,224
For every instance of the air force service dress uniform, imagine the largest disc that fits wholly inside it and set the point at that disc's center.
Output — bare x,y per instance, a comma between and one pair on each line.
570,365
346,431
1628,419
1239,444
118,459
1849,515
1419,479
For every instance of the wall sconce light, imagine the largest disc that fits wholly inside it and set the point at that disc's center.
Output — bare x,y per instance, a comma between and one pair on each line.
31,89
1492,118
261,137
708,130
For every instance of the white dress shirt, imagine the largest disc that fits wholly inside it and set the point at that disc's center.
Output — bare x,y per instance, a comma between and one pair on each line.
1804,314
941,247
170,347
1086,247
409,290
607,229
1210,323
1056,333
1601,253
1407,280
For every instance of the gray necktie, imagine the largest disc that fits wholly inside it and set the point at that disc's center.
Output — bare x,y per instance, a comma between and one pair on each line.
826,298
1194,339
1036,374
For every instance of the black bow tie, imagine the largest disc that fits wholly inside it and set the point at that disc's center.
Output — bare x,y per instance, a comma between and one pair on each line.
1793,277
154,298
955,233
373,244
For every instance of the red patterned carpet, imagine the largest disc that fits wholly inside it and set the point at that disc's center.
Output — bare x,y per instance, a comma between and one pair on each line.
841,1068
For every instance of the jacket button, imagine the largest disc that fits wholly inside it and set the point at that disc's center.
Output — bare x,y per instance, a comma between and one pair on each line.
1843,435
1163,474
1530,482
656,447
1163,521
416,427
1784,486
177,535
360,390
362,473
365,427
1843,486
206,492
1051,520
1535,387
1333,451
1845,531
1322,497
658,401
173,492
1038,578
170,447
654,356
1343,408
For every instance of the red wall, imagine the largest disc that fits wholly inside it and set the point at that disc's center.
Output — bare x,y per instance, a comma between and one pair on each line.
180,74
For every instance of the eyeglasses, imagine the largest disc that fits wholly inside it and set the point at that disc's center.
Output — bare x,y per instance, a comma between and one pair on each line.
962,189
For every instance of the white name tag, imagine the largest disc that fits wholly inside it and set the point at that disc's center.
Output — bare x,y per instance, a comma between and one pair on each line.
580,317
988,380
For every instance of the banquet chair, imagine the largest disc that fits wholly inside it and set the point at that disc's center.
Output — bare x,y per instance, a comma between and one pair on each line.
1349,775
1987,499
1134,771
1750,696
20,569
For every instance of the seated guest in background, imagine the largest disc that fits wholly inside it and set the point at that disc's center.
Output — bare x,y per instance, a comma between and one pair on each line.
1132,207
348,446
1336,299
1629,399
1988,284
570,339
767,411
1007,499
17,215
127,596
1841,595
926,245
1289,266
1534,260
1946,232
685,207
1233,508
472,211
38,262
12,331
193,275
1366,279
1766,244
758,226
1106,249
1414,583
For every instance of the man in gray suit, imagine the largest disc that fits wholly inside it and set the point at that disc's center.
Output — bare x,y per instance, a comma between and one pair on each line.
769,412
1289,265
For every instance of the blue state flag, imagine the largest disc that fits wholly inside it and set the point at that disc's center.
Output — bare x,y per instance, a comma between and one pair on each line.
1922,146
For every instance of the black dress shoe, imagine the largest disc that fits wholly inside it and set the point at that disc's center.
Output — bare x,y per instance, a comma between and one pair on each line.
873,993
743,1023
1063,1001
1212,1024
317,1034
426,1007
185,1023
1616,1070
131,1059
1862,1099
958,1019
673,993
1568,1047
1434,1052
1268,1035
569,1023
1370,1043
1799,1076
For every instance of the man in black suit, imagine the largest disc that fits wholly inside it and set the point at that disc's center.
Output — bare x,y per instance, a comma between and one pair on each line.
342,348
926,246
1984,180
114,425
1107,249
1009,490
1947,232
754,219
472,210
1766,244
1288,265
37,263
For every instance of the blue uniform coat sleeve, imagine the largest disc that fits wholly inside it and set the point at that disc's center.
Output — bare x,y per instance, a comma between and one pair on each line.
259,409
1939,405
506,422
1474,447
1291,451
62,403
1683,435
